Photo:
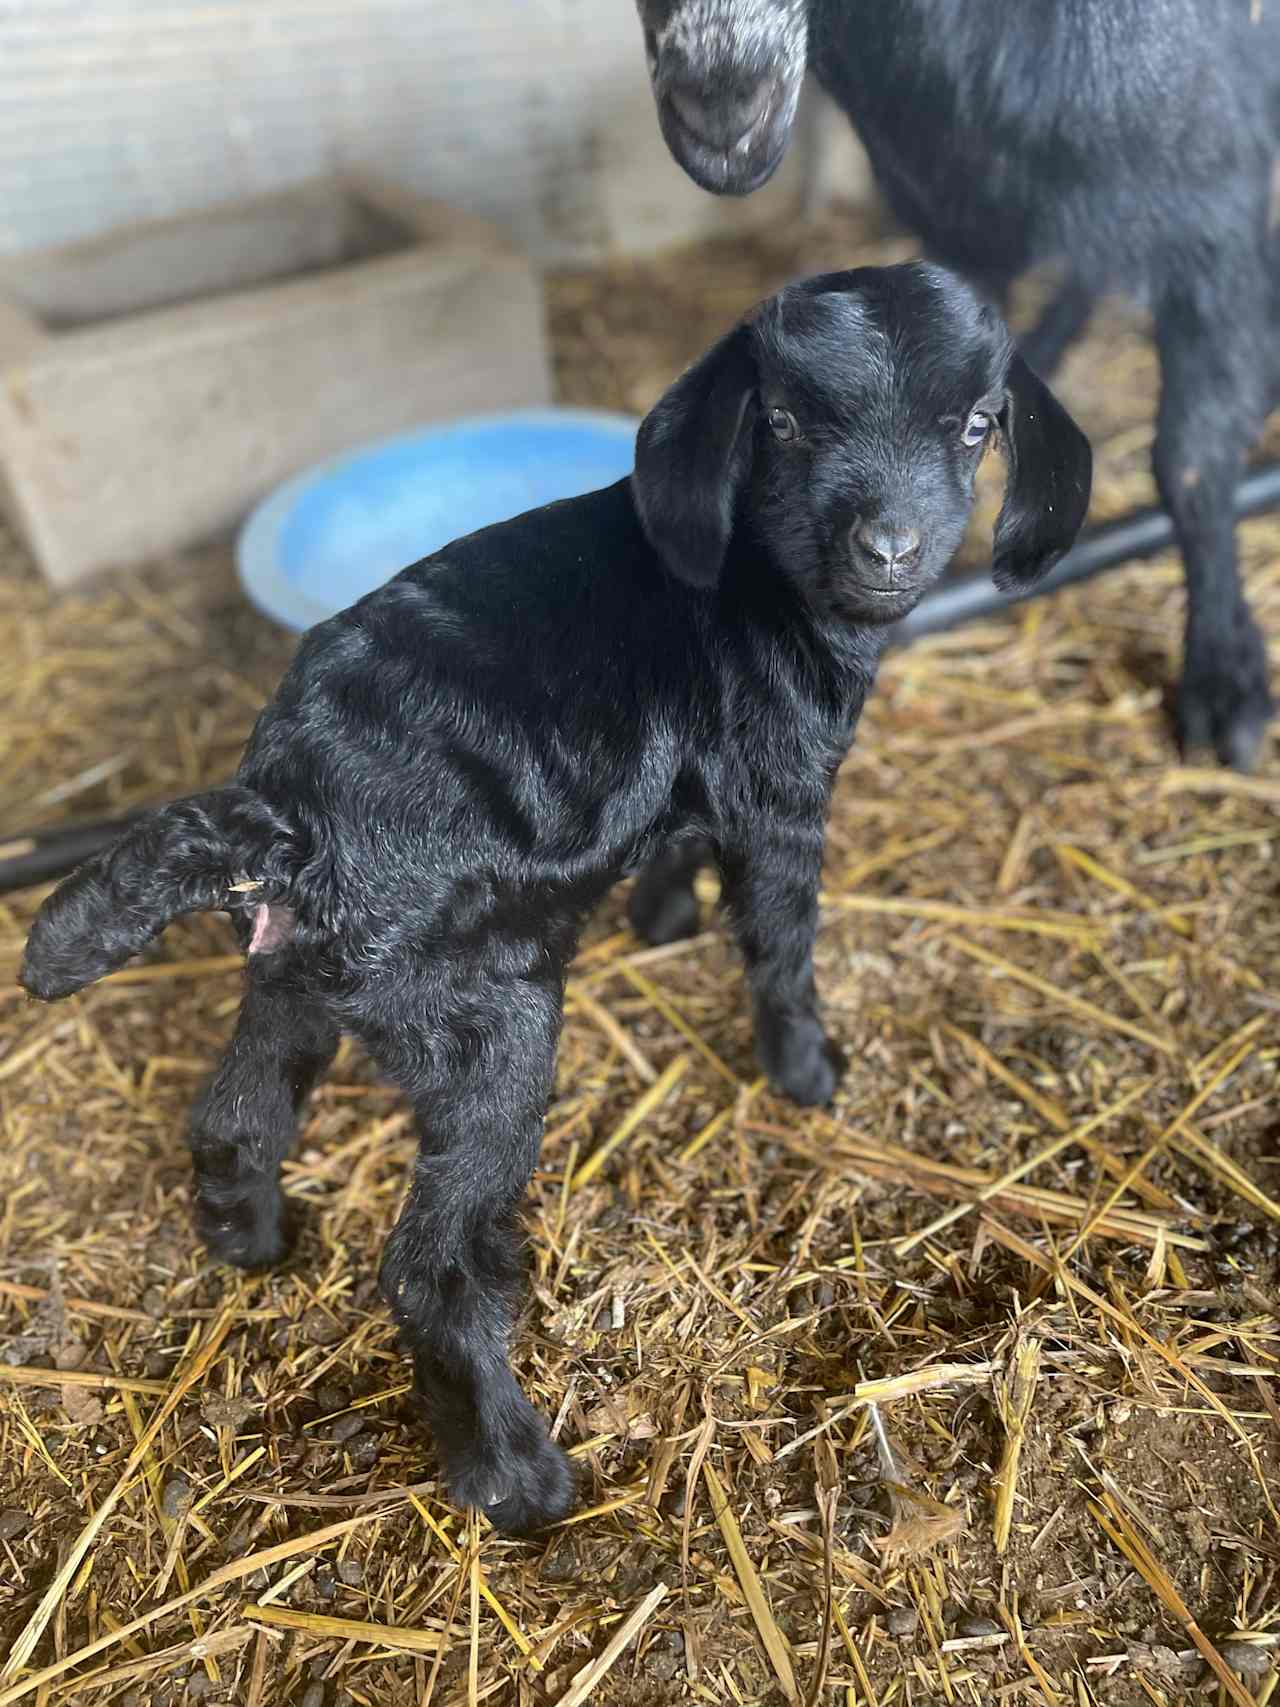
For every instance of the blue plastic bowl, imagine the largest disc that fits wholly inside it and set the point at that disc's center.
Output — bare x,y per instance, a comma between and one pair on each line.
329,536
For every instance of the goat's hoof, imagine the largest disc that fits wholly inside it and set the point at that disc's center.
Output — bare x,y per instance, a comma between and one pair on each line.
249,1237
809,1070
1227,711
521,1490
1241,747
665,915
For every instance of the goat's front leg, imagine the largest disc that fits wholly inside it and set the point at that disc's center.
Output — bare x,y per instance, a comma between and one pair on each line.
1211,408
451,1272
771,891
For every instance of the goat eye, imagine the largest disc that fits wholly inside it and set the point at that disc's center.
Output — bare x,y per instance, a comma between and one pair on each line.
976,429
783,426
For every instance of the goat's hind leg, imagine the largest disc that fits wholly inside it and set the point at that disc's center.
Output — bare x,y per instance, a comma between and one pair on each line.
243,1124
479,1081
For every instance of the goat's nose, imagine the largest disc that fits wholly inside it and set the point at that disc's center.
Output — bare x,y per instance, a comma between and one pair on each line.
719,120
886,548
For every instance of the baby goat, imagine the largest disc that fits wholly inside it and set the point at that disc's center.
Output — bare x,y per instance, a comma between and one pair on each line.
455,771
1136,142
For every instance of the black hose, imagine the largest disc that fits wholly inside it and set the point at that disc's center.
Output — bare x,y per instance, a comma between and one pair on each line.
43,855
40,856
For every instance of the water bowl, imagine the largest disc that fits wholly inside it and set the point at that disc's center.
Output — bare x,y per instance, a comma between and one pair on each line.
337,531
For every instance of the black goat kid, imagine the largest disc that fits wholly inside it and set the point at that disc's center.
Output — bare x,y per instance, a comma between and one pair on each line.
455,771
1132,141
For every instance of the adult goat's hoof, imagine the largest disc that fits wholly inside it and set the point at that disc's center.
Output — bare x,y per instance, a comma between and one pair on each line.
1226,710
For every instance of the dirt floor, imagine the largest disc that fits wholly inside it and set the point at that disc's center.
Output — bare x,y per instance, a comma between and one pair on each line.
963,1392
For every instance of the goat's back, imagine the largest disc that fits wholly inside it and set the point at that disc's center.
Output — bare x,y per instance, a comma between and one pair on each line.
1103,130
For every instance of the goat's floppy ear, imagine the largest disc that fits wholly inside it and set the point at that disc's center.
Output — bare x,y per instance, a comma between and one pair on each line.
1050,474
693,456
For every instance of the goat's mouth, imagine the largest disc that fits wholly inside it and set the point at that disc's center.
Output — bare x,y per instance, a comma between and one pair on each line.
731,148
862,599
878,605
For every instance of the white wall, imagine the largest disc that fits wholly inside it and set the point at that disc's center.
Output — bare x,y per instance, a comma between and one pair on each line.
536,113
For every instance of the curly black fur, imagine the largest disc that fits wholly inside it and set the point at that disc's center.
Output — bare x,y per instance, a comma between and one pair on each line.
1132,142
454,772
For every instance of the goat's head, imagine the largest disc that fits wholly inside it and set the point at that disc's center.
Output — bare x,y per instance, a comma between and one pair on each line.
726,76
840,428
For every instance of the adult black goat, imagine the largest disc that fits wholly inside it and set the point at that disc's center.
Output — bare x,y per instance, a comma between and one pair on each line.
1133,142
454,772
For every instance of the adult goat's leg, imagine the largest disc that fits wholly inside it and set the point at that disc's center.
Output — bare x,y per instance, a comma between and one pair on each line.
244,1122
451,1270
1211,335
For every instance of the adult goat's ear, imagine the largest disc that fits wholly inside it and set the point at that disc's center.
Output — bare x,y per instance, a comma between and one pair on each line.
1050,474
693,458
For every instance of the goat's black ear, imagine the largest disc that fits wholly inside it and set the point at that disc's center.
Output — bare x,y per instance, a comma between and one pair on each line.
1050,474
693,457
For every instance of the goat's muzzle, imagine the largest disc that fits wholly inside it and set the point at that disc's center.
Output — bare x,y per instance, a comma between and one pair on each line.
729,142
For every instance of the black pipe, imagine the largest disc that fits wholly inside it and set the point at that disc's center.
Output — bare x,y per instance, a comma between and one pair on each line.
43,855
